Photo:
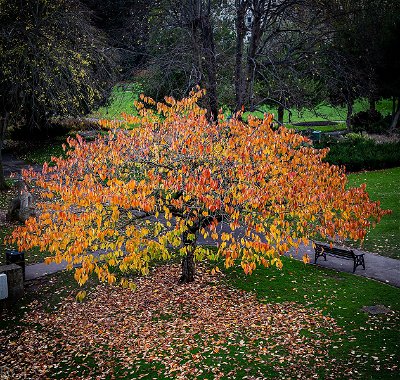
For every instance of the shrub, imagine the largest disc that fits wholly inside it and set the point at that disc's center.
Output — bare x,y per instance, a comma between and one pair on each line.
358,152
370,121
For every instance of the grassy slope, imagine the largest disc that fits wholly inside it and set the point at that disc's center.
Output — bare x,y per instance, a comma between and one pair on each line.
383,185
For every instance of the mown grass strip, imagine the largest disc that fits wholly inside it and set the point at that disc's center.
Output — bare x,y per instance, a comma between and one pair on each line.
383,185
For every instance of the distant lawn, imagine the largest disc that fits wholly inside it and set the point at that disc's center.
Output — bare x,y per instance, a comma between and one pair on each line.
40,154
121,101
124,94
383,185
325,112
322,128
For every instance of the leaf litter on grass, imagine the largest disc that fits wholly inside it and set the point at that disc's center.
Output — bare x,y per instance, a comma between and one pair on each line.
201,330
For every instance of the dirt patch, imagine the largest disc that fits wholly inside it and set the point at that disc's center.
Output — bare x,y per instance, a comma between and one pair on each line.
382,139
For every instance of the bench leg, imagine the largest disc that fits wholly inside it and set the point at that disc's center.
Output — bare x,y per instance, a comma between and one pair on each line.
319,255
358,260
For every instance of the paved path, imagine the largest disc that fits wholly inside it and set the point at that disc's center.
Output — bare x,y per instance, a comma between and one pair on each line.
384,269
377,267
11,164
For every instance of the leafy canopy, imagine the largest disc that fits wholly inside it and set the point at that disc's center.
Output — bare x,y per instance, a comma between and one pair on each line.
141,194
54,62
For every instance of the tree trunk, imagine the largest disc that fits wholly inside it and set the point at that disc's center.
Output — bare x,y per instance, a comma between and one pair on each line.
3,184
372,104
255,38
210,64
396,117
188,267
3,126
281,111
240,33
349,113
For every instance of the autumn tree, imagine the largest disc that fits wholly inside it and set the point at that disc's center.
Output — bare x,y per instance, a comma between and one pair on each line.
147,193
54,62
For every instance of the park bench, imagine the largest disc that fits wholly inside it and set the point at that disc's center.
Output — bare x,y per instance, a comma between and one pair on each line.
348,254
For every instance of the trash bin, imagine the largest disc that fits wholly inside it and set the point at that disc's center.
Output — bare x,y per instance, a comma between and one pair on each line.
15,257
316,136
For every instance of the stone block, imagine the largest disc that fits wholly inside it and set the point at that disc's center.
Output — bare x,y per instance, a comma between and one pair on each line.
3,286
15,280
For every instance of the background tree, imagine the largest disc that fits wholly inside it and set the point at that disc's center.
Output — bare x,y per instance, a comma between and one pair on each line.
287,53
148,193
275,56
359,66
54,62
342,79
182,49
127,24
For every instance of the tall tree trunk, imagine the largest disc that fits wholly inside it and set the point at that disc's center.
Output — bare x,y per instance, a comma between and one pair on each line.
349,113
241,6
3,184
255,37
3,126
393,105
396,117
207,36
372,104
281,111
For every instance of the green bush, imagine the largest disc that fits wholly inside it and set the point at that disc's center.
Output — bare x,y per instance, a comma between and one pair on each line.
357,153
370,121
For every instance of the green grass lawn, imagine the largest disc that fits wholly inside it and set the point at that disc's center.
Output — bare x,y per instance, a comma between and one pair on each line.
341,296
124,94
41,154
121,100
325,112
383,185
208,329
322,128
